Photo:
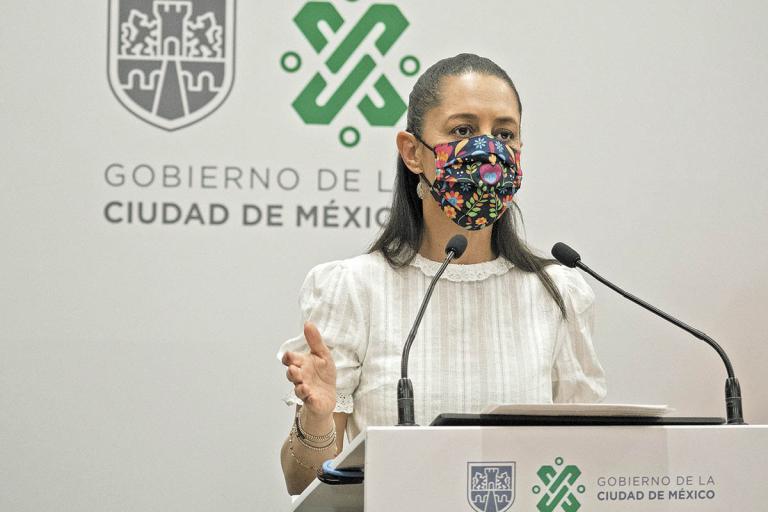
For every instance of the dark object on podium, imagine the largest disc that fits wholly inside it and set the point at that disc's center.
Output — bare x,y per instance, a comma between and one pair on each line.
514,420
332,476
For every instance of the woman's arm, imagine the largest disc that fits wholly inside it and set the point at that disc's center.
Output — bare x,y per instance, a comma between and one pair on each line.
301,462
317,433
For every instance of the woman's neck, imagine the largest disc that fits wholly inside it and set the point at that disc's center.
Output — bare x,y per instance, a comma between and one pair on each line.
478,247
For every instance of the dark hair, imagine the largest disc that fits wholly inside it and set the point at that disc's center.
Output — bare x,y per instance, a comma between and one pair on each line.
401,237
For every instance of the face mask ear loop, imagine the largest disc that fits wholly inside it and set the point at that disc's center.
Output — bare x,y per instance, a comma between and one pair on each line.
425,144
424,179
421,174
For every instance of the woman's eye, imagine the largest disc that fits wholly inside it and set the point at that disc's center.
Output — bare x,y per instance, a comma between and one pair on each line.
463,131
505,136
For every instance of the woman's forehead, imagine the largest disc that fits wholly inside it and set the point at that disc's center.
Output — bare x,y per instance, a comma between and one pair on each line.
475,96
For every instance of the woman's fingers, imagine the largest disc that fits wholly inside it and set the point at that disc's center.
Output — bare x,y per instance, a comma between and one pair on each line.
293,358
313,375
301,391
315,341
316,347
293,373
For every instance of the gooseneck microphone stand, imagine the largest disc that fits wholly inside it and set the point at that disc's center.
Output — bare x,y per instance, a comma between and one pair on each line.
733,408
405,411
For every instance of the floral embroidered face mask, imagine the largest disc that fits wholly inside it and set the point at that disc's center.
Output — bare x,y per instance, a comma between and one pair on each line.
475,179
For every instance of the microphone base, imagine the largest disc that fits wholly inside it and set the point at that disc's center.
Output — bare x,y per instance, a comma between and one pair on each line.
405,410
734,412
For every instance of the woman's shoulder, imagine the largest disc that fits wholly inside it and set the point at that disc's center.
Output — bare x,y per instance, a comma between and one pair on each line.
357,266
572,286
350,273
565,276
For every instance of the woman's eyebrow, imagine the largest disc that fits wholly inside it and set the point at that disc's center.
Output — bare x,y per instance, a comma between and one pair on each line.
505,119
462,115
472,117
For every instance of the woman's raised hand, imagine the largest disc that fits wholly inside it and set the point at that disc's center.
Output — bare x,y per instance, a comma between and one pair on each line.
313,375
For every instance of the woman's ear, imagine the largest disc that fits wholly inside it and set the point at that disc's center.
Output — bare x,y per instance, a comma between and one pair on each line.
408,147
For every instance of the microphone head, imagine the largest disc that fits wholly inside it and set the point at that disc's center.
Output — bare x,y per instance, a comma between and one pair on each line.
457,244
565,255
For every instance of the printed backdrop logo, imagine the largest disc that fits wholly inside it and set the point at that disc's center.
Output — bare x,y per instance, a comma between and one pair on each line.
171,62
491,485
309,21
558,490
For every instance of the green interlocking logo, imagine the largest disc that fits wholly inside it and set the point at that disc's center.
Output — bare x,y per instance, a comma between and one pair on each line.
309,20
558,490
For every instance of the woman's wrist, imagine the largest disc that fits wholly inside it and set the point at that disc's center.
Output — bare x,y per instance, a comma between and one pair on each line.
315,425
309,456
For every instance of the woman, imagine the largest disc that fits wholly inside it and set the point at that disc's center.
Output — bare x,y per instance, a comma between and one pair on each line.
503,325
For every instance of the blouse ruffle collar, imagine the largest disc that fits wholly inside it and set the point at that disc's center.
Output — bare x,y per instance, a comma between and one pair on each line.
458,272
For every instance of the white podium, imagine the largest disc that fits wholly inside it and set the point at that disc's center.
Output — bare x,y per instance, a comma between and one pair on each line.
553,468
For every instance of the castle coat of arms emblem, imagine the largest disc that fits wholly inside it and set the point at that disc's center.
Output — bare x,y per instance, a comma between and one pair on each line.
491,485
171,62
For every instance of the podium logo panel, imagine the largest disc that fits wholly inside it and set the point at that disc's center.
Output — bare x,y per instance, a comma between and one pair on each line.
559,487
491,485
171,62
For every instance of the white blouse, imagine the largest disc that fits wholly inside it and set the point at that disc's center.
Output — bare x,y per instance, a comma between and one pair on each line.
491,334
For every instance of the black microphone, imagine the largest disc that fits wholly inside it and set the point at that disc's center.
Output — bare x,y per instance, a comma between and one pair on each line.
734,413
405,412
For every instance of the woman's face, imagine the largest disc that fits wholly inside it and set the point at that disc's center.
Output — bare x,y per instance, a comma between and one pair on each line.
471,104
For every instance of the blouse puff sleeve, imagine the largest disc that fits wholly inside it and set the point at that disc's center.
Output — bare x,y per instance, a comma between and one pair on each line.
331,299
577,376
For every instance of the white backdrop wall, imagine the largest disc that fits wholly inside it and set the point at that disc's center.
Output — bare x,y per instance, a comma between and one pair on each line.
137,367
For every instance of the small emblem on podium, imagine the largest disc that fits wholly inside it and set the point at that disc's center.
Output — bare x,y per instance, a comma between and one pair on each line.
491,485
559,485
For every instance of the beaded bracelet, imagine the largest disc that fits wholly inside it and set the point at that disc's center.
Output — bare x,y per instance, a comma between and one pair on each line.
294,432
309,437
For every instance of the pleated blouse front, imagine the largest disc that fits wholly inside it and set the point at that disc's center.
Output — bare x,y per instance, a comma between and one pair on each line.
491,334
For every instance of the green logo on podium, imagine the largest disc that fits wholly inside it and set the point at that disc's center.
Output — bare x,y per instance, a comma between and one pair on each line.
388,107
558,489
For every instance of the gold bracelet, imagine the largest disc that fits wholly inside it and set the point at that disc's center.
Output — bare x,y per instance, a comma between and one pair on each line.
301,462
309,437
305,444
